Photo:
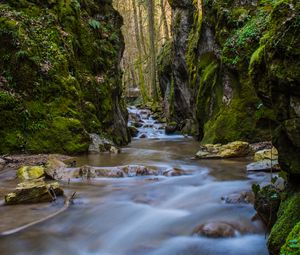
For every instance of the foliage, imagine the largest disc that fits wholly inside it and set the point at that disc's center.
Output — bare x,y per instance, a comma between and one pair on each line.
95,24
236,46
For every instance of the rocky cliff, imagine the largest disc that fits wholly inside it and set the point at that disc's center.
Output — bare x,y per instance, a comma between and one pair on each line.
234,66
209,92
60,75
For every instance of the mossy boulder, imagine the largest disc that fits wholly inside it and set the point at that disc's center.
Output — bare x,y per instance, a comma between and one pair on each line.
288,216
231,150
30,172
34,191
267,154
292,244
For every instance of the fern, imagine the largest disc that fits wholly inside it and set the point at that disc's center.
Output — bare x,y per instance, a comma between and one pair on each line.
95,24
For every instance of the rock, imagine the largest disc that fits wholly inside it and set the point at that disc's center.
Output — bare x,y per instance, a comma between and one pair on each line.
171,128
266,154
231,150
99,144
264,165
265,160
239,198
2,163
261,146
142,136
148,126
135,170
55,169
114,150
134,117
133,131
137,124
174,172
216,230
30,172
34,191
88,172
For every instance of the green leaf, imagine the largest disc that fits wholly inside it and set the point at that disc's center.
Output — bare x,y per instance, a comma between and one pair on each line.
255,188
95,24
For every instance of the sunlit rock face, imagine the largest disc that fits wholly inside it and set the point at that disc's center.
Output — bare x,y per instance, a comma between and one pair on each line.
60,75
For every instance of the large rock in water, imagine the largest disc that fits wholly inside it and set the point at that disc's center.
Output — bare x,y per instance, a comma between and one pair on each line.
34,191
100,144
30,172
55,169
267,154
231,150
264,165
216,230
265,160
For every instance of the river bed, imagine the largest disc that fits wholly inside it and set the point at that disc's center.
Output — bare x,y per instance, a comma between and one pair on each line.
149,215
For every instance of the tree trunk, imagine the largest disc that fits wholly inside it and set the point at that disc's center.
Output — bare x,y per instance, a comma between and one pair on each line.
164,19
154,91
139,47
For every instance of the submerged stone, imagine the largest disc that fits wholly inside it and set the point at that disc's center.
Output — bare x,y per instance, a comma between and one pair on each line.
239,198
216,230
88,172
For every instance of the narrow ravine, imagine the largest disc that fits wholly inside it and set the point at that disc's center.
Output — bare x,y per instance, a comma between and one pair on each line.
148,215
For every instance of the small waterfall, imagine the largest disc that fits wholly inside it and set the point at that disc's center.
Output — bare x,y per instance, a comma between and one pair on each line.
148,124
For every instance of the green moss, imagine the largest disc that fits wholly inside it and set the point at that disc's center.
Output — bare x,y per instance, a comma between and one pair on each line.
292,244
288,217
53,62
256,58
28,173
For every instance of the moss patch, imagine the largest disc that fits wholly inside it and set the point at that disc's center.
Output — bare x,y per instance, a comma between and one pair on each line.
59,75
288,216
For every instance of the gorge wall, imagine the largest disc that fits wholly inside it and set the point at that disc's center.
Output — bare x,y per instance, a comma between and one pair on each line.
59,75
232,72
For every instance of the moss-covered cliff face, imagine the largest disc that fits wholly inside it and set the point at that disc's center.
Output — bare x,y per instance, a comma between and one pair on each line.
275,72
210,59
59,75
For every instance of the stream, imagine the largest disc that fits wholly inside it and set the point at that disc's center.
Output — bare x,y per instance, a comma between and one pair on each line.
147,215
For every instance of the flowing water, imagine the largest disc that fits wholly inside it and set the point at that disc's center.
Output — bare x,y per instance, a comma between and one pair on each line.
149,215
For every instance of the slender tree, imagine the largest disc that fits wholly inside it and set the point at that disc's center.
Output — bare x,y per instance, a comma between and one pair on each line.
152,54
139,63
164,19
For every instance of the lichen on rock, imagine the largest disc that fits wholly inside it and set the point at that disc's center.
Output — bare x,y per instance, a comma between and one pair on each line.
34,191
